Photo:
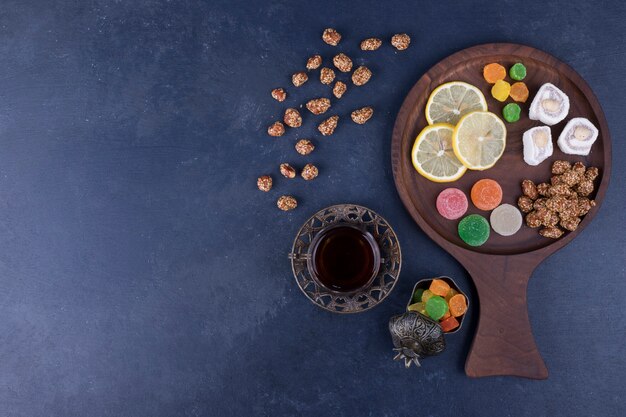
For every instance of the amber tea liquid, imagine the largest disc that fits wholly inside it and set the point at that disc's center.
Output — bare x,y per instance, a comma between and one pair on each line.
345,259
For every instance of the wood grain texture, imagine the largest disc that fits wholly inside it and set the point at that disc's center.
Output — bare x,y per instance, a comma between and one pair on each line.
501,268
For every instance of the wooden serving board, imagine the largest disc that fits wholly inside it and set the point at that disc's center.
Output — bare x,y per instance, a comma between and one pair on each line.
501,268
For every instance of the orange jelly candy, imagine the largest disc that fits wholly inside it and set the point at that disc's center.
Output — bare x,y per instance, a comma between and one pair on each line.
445,315
439,287
519,92
458,305
486,194
449,324
494,72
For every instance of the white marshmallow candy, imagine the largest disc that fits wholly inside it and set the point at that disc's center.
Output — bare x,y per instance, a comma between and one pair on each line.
550,105
537,145
578,136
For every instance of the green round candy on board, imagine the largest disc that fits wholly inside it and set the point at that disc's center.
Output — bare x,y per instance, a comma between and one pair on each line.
436,307
511,112
474,230
517,72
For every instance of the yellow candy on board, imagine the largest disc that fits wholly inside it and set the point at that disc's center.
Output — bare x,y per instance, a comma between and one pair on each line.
500,90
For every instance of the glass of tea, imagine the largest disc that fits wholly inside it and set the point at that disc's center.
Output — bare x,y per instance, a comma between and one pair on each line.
343,258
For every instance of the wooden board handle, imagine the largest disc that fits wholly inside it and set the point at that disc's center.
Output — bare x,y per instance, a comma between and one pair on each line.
504,343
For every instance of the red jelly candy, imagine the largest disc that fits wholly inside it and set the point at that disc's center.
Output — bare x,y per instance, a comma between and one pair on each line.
449,324
452,203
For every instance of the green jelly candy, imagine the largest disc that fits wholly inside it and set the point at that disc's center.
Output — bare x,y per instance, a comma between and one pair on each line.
511,112
517,72
436,307
474,230
417,295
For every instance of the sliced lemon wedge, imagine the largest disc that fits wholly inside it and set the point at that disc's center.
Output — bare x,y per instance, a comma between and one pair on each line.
479,140
433,156
451,101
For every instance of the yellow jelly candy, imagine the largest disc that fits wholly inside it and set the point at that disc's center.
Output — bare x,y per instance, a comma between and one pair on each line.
427,294
419,307
500,90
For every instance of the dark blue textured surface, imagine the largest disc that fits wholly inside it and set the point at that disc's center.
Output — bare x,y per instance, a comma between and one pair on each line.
142,273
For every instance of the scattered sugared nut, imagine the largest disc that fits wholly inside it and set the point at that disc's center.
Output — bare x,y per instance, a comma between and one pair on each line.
276,129
279,94
331,36
543,189
533,219
529,189
361,116
560,189
361,75
584,205
559,167
557,203
299,78
525,204
400,41
286,203
570,224
579,168
304,147
556,179
288,171
339,89
539,203
327,127
327,75
544,215
264,182
292,118
571,208
371,44
314,62
318,105
551,232
571,177
343,62
551,220
591,173
584,188
309,172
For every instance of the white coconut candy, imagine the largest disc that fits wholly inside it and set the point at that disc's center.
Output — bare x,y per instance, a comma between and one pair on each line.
550,105
537,145
577,137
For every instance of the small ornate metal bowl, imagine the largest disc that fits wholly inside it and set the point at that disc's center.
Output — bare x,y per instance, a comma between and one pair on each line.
379,287
425,283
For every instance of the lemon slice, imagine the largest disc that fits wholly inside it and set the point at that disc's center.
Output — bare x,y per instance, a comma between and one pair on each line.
433,156
479,140
451,101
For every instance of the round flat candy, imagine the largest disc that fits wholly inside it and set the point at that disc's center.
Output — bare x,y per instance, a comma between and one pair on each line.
506,220
451,203
474,230
436,307
486,194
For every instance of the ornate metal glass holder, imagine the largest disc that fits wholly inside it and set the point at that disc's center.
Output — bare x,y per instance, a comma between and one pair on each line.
365,298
